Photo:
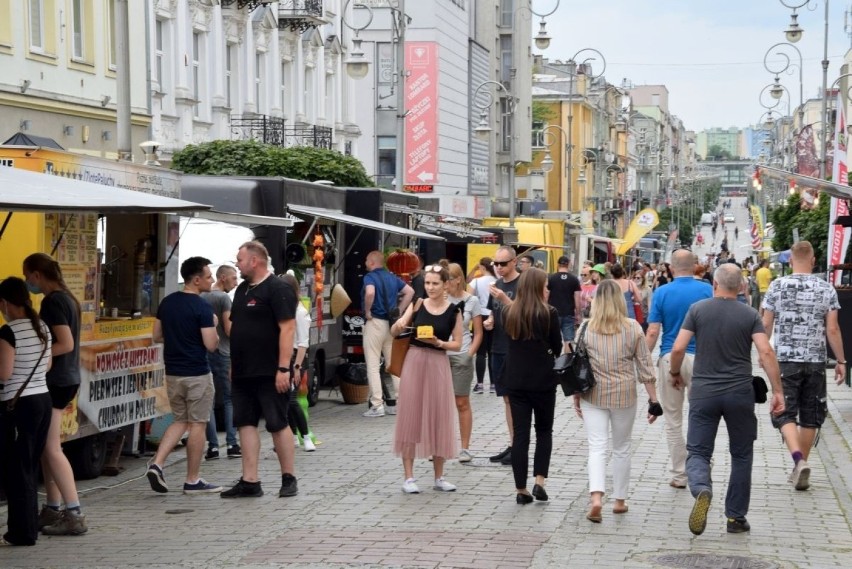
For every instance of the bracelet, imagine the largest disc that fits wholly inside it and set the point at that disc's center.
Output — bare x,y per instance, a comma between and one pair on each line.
841,363
674,372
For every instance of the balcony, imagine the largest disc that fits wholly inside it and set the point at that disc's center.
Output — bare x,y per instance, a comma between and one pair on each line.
300,15
272,130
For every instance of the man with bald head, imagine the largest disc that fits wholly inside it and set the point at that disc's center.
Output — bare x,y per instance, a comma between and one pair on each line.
668,309
724,331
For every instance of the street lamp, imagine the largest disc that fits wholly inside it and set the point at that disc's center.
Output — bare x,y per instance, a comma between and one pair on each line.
483,131
546,163
777,69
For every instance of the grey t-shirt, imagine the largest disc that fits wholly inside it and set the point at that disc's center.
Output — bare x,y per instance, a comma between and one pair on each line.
221,303
723,330
470,310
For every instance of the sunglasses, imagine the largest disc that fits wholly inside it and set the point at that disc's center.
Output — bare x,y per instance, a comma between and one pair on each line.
584,274
501,263
433,268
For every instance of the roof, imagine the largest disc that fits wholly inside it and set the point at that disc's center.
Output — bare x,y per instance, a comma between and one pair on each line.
30,191
21,139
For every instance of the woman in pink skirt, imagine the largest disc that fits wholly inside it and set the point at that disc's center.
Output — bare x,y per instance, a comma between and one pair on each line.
425,422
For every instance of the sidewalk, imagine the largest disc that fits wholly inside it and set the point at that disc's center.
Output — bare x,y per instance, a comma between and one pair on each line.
350,511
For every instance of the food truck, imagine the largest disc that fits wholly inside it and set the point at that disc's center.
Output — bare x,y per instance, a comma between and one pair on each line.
113,228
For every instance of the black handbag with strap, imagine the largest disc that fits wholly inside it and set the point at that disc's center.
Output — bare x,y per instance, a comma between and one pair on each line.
10,404
574,369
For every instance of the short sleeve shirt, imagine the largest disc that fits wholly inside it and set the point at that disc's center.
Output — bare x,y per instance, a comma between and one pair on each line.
387,286
562,288
800,303
499,339
723,331
255,332
59,309
182,316
669,306
221,303
470,310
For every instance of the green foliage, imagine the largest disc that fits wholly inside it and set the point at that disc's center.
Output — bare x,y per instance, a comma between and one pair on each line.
716,152
542,112
252,158
686,215
811,223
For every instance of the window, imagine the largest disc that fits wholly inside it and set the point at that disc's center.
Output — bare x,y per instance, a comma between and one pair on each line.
230,50
505,58
507,10
159,54
36,25
506,128
283,91
77,30
110,14
258,81
655,100
538,134
196,71
387,155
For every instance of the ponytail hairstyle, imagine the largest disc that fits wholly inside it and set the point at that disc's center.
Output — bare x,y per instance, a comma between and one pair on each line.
51,271
14,291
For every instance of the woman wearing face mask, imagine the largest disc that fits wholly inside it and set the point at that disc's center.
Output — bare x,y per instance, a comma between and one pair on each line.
425,423
24,361
61,312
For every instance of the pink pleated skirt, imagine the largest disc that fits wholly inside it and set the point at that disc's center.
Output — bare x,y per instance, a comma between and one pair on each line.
426,407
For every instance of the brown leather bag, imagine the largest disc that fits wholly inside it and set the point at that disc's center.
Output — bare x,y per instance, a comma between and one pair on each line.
400,346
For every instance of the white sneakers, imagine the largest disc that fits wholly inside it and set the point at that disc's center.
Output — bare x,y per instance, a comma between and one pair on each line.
800,477
375,412
465,456
409,487
441,485
390,409
309,444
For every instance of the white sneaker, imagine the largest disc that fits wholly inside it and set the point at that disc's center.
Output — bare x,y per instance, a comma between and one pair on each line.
465,456
296,441
409,487
309,444
375,412
443,486
390,409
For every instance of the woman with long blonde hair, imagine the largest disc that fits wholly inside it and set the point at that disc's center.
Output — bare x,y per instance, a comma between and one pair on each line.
618,355
535,339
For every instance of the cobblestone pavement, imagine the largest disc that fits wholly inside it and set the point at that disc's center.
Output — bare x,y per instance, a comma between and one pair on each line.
350,511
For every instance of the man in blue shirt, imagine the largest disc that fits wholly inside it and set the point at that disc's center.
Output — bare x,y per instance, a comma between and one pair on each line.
378,300
187,328
669,306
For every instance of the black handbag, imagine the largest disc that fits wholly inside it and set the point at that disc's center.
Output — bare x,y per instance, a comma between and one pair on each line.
577,376
760,389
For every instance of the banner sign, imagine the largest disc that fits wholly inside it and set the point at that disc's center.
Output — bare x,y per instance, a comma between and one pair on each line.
642,224
421,118
838,236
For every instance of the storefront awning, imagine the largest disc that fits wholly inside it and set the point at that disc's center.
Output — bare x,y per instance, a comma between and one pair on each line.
336,215
23,190
245,219
831,188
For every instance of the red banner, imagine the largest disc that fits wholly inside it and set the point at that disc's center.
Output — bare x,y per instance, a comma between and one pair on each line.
421,119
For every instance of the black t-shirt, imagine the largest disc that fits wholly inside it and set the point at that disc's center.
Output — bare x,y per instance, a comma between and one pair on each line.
499,340
255,315
59,309
182,316
562,288
442,324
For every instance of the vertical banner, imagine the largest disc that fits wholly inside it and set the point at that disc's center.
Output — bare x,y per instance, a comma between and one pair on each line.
421,118
838,236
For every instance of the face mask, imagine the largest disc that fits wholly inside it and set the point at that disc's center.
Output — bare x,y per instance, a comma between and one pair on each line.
34,289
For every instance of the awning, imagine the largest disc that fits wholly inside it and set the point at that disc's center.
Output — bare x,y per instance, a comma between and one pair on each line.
337,215
831,188
245,219
23,190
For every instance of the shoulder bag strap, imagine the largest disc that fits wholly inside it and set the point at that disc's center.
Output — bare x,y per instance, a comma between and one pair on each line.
581,345
14,401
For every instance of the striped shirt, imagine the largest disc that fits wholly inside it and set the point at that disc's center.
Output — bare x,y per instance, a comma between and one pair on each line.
28,348
618,360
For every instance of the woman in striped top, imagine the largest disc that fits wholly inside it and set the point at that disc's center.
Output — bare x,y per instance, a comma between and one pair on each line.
619,355
24,354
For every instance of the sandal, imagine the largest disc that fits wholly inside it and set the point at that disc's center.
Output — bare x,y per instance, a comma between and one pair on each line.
594,514
622,510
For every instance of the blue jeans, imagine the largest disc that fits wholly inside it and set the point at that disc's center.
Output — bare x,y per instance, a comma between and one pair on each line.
220,366
566,324
737,408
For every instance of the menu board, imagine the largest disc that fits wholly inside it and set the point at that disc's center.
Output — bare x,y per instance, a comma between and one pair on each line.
77,235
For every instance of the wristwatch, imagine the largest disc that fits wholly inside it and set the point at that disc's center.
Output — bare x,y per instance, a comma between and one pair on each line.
297,366
841,362
284,369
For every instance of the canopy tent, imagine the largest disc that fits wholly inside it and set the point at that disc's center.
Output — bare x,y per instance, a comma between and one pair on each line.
337,215
31,191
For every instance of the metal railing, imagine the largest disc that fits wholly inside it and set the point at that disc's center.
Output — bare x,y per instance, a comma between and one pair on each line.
273,130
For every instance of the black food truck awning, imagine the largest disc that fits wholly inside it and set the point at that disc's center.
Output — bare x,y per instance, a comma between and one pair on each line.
337,215
833,189
245,219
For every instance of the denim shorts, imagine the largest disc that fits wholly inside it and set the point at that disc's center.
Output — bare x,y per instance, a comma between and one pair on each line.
566,324
804,395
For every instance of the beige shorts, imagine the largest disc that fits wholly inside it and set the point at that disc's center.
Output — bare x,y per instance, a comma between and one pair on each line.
191,398
461,366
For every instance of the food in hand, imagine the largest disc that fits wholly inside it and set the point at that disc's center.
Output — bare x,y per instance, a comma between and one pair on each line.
425,332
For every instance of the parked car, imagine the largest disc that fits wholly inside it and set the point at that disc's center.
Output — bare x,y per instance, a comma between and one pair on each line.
729,218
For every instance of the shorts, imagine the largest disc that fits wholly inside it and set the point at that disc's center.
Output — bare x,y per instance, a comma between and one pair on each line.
495,370
804,395
461,366
191,397
62,395
254,398
566,324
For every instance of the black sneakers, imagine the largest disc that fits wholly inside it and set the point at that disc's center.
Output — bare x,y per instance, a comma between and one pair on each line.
234,451
243,489
738,525
289,487
212,453
500,456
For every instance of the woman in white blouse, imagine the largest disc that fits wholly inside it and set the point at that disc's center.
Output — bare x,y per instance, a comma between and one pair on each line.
297,413
24,361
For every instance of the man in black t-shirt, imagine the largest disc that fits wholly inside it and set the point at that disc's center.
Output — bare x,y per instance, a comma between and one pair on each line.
187,327
564,296
263,325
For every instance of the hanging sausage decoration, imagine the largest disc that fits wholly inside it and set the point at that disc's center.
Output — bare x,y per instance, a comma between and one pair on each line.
318,257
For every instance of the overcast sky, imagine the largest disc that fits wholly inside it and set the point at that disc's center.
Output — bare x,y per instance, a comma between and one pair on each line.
708,53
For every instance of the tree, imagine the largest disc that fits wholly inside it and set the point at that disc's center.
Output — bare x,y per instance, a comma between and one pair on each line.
252,158
811,223
716,152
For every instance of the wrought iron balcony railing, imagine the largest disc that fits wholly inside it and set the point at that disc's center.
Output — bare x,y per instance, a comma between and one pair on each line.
299,15
272,130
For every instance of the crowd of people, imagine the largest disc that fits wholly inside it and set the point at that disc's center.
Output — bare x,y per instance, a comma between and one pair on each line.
507,316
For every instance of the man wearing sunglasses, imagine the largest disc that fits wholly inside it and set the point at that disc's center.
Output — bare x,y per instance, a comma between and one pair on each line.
383,291
502,294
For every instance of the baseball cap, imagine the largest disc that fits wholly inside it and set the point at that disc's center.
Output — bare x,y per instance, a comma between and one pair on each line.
600,268
563,260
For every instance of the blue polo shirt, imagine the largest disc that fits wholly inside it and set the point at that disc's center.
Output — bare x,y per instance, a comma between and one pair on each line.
670,304
387,286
